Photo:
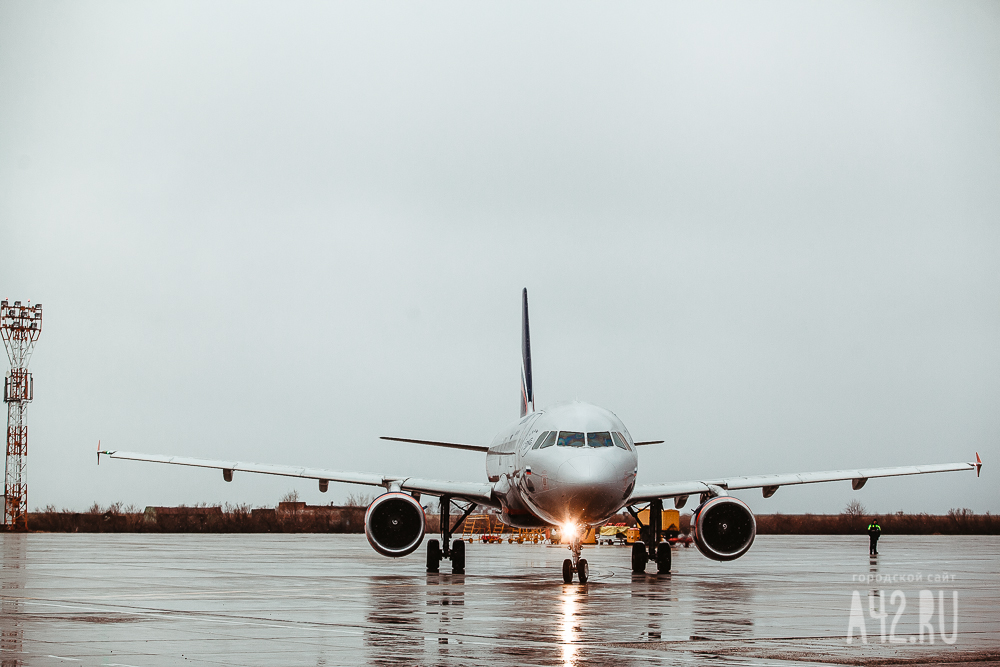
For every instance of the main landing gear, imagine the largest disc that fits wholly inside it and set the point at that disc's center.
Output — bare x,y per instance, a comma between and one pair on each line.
457,551
576,564
650,548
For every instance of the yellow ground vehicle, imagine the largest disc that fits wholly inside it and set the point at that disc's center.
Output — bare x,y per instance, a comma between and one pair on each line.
522,535
475,524
671,522
494,531
489,529
611,533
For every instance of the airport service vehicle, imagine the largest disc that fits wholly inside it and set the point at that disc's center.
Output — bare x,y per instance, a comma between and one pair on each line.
571,465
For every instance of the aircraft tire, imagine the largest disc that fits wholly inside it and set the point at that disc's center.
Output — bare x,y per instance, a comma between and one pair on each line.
458,557
567,571
583,570
663,558
433,556
639,557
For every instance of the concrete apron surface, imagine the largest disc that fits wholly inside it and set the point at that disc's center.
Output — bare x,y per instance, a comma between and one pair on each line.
157,599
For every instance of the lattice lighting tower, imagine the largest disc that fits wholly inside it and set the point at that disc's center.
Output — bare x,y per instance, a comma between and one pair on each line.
20,327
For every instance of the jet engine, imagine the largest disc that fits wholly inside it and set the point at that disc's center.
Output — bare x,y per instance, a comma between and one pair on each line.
394,524
723,528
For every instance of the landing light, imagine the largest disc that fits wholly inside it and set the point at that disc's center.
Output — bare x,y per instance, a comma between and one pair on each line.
569,530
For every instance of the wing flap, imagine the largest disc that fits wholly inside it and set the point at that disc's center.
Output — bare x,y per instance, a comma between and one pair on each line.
482,493
476,491
436,443
836,475
266,469
647,492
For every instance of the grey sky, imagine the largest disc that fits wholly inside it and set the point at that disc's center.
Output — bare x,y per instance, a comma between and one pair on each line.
768,233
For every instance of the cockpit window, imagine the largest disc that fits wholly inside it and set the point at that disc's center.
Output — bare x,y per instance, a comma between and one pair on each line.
570,439
546,439
599,439
619,440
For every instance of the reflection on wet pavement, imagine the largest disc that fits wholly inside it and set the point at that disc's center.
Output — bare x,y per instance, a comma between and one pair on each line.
392,605
722,610
147,600
12,576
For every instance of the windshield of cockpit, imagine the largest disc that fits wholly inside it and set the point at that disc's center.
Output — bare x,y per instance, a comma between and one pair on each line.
570,439
578,439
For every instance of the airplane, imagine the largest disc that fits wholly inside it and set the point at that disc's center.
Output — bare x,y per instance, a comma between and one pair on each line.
572,465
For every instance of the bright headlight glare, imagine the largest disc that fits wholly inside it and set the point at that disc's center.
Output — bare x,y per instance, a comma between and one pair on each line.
569,530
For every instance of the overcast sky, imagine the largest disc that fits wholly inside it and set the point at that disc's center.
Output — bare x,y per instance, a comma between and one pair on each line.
767,233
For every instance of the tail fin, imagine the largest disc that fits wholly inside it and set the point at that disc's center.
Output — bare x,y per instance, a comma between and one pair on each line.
527,394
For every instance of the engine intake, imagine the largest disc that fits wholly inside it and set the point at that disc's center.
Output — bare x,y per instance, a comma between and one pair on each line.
723,527
394,524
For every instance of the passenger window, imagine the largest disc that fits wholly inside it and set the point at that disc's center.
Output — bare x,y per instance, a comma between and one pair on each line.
570,439
619,440
546,439
599,439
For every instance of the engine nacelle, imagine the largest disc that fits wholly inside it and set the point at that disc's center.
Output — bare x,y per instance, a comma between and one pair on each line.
723,528
394,524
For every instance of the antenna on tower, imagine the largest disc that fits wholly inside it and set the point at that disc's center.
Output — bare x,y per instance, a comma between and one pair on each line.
20,327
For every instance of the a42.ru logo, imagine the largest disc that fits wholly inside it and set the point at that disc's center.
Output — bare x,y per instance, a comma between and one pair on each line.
878,614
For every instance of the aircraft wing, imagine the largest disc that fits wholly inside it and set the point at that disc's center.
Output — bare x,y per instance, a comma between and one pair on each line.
480,493
770,483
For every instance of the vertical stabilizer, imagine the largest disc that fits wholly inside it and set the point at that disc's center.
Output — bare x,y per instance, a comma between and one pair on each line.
527,394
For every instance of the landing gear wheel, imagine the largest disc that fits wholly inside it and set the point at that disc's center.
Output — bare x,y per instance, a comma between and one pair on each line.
567,571
433,556
663,558
458,557
639,557
583,571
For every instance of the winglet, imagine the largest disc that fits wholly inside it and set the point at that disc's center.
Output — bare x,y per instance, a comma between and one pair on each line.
101,451
979,464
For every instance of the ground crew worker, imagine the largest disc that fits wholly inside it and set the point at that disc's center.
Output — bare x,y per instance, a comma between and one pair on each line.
874,530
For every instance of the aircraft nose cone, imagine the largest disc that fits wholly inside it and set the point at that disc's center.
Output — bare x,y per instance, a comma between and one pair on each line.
585,471
588,487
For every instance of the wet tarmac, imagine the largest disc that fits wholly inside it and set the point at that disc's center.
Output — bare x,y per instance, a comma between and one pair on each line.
145,600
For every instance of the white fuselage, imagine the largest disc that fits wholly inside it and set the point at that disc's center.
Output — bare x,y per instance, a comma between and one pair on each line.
582,474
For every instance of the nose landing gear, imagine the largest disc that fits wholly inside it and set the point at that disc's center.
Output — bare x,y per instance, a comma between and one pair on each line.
456,552
577,564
